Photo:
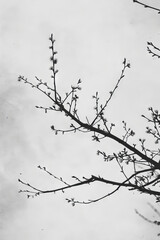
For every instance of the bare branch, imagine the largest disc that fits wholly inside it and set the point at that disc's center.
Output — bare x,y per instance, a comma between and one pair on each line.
145,167
147,6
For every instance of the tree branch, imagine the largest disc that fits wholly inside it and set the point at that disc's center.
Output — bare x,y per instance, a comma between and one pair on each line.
147,6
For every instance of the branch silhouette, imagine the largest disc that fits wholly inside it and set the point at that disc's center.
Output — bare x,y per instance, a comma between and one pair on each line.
145,174
147,6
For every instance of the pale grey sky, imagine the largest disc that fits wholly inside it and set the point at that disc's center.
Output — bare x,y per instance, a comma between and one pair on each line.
92,39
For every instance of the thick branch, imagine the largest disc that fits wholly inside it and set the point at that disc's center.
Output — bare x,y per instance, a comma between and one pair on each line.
109,135
147,6
124,184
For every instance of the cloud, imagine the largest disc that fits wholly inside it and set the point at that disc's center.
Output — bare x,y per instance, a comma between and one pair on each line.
10,202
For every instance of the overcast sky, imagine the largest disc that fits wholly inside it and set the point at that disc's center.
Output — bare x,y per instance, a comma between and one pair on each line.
92,39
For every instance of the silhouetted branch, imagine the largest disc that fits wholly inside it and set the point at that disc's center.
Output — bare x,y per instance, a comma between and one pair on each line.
155,222
147,6
153,50
127,183
143,162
